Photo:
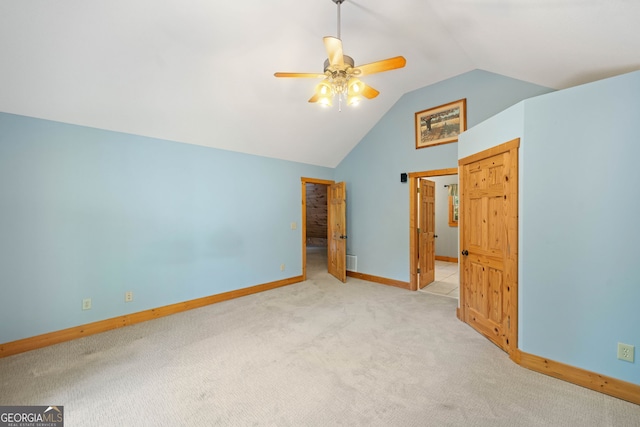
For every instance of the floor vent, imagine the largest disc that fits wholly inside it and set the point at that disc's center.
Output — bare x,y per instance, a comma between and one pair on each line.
352,263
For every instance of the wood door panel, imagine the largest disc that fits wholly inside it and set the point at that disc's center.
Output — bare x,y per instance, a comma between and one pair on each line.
475,229
336,218
473,285
495,225
495,292
488,240
427,245
489,329
486,311
495,176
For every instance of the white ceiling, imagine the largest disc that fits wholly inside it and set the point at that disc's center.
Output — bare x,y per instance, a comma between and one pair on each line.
201,72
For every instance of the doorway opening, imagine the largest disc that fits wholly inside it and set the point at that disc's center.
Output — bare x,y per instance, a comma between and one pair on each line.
446,281
333,195
315,193
446,276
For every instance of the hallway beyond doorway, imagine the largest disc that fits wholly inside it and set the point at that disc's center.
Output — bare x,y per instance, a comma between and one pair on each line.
447,280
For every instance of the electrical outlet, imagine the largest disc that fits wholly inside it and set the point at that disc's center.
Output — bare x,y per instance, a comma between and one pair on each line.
281,267
626,352
128,296
86,304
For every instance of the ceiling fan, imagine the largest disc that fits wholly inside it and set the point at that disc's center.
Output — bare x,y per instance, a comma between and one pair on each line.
341,76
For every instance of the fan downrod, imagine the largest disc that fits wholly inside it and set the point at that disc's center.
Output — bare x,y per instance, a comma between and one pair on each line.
338,3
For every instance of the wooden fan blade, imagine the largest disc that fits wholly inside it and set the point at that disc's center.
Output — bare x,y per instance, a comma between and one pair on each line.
314,98
369,92
334,50
304,75
380,66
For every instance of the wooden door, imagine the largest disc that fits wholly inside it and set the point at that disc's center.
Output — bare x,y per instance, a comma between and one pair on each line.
427,230
489,243
337,233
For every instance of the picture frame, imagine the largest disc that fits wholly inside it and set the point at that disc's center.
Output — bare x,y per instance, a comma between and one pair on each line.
441,125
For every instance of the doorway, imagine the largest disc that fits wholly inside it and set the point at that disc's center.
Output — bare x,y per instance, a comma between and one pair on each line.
414,224
314,219
328,221
314,228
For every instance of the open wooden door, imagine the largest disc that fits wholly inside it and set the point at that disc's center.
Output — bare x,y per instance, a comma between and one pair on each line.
489,243
426,232
337,233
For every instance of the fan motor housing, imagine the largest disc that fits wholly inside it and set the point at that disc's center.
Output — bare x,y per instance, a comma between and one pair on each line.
348,62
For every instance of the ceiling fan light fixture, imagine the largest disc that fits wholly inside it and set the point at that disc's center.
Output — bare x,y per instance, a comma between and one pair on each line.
325,101
355,86
354,93
341,75
324,89
354,100
324,94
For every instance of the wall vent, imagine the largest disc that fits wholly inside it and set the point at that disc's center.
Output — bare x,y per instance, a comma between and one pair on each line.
352,263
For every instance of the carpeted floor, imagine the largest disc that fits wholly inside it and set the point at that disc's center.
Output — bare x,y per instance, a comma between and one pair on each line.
318,353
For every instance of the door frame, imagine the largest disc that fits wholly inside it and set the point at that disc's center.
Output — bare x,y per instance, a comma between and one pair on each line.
413,219
306,181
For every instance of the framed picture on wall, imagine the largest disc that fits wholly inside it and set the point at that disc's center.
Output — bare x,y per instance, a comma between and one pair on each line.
441,125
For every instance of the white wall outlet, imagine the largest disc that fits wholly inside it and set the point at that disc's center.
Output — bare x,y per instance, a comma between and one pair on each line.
128,296
294,225
626,352
281,267
86,304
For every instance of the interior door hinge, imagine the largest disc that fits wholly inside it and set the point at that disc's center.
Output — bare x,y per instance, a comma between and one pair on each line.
418,229
418,271
418,190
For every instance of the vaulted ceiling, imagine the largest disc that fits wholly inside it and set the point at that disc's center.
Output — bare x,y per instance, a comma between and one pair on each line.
201,72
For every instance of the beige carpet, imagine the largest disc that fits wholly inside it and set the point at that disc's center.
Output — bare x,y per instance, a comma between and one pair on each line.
318,353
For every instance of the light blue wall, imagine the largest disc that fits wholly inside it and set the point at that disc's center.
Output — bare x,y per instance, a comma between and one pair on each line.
91,213
377,203
579,275
501,128
580,269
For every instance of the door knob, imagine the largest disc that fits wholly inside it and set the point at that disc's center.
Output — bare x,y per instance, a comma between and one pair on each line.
343,236
465,252
435,236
